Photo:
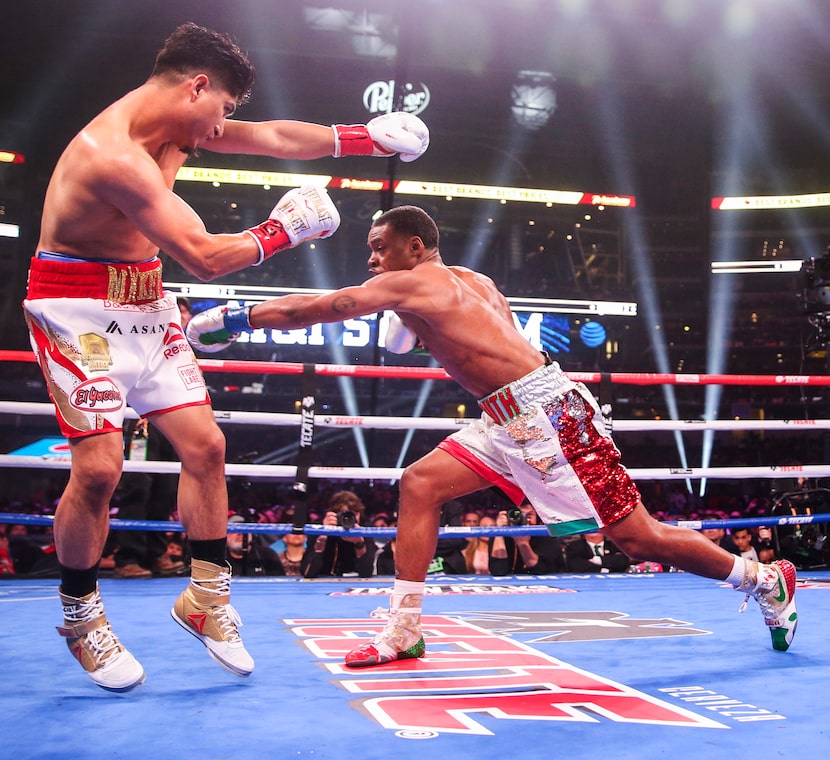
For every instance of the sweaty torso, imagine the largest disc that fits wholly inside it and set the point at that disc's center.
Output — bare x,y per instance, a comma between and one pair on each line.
466,325
80,215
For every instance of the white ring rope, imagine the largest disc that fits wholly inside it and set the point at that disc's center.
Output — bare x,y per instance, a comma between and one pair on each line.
444,423
289,472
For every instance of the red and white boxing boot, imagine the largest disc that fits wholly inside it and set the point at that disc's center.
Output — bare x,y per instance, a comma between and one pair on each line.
400,638
773,587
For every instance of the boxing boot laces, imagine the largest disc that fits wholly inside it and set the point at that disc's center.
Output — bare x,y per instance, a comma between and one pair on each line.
204,610
93,643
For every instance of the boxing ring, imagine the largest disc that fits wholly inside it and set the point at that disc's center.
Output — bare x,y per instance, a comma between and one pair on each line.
641,665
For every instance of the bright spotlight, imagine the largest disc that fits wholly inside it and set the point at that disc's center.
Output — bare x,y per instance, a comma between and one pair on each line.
533,98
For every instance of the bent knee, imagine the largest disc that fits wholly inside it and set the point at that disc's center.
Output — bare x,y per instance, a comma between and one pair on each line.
97,477
413,477
207,451
417,482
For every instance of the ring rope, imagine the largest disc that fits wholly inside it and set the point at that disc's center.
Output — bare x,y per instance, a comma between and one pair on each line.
437,373
441,423
289,472
391,423
444,532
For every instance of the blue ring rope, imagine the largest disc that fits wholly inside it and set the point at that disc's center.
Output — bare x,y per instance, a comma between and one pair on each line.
447,532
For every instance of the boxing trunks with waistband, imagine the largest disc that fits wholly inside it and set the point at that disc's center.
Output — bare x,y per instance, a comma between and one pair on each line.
542,438
106,335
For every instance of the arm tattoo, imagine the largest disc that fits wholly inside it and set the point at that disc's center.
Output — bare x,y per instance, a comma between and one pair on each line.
342,303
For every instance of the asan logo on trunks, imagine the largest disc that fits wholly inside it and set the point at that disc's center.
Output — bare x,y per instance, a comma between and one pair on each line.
99,395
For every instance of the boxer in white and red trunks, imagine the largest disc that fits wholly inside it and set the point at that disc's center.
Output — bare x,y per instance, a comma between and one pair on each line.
540,436
107,336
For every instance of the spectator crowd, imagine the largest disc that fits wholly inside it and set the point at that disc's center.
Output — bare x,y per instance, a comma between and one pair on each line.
27,550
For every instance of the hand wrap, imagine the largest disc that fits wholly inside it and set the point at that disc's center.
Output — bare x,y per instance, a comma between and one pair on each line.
302,214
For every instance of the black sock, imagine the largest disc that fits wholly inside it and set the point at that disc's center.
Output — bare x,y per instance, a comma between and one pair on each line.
78,583
210,551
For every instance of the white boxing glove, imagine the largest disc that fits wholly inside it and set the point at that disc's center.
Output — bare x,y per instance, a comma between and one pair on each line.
397,132
302,214
399,338
215,329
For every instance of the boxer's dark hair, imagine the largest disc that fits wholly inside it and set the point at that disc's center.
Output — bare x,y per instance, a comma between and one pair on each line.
191,49
411,221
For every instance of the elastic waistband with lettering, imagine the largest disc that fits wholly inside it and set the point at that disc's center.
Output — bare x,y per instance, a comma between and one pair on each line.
121,283
511,400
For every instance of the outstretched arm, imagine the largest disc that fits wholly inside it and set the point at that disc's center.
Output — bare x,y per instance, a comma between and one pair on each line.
213,329
299,310
281,139
394,133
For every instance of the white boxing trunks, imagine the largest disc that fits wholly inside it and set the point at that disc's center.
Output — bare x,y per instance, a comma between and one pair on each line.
542,438
106,336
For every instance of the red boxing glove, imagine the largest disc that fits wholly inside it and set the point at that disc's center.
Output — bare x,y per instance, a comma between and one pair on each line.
355,140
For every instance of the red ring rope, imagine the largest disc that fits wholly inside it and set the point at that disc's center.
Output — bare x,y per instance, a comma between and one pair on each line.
437,373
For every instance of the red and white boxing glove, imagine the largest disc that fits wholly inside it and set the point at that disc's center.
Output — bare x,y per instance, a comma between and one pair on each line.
302,214
398,132
399,338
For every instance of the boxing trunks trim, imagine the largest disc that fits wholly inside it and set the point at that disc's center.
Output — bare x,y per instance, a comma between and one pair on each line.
515,398
541,437
138,283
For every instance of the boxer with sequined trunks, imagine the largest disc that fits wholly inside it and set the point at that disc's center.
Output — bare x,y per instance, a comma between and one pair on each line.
540,437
